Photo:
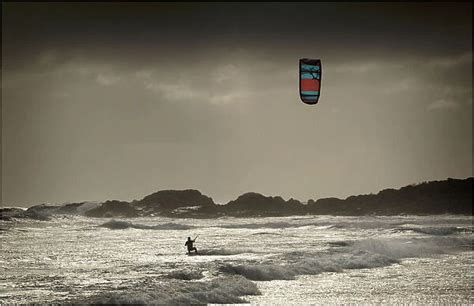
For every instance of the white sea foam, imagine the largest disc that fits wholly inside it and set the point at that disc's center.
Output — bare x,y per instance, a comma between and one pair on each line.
220,291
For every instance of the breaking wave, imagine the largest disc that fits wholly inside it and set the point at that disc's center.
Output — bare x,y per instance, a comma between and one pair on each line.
223,290
185,275
338,243
405,248
266,233
267,272
322,225
438,231
224,251
370,253
116,224
275,225
260,225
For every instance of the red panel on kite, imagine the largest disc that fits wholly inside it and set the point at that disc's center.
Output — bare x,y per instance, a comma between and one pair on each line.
310,80
309,85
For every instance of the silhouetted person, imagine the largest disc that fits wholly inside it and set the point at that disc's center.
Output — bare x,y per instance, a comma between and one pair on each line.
189,244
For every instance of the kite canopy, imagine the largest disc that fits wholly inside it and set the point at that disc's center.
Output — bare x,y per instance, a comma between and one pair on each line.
310,80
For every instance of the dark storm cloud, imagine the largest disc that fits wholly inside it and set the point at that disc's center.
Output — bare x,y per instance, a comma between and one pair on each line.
111,31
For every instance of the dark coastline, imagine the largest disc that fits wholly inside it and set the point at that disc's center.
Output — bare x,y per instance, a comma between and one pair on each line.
451,196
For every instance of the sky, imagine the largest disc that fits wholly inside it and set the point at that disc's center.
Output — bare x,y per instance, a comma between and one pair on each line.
119,100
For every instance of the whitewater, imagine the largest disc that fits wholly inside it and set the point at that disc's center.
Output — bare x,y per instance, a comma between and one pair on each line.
275,260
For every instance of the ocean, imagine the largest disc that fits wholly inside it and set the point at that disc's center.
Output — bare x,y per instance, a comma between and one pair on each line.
274,260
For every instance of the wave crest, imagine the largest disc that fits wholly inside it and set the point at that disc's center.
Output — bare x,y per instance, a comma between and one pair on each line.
436,231
223,251
405,248
325,263
223,290
369,253
185,274
117,224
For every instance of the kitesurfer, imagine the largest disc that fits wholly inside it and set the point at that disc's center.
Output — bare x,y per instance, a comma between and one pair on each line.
189,244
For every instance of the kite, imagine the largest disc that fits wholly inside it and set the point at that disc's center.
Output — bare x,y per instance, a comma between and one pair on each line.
310,80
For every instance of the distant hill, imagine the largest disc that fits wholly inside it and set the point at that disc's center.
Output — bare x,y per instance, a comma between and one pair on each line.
171,202
255,204
451,196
